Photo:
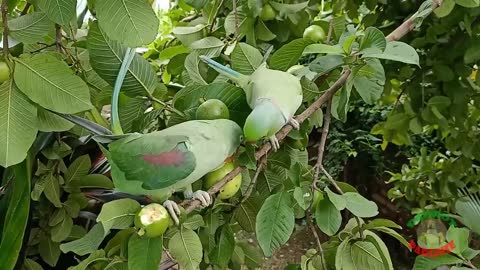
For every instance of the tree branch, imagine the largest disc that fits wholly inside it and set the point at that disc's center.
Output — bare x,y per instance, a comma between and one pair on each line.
58,37
26,8
4,8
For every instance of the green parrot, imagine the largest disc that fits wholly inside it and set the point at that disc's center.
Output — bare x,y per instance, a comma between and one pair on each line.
163,162
273,95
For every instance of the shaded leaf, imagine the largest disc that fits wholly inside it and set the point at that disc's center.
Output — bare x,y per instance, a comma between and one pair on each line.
118,214
289,54
328,217
245,58
186,248
59,11
144,252
87,244
30,28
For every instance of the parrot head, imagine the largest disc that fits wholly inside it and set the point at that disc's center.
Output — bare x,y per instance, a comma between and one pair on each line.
264,120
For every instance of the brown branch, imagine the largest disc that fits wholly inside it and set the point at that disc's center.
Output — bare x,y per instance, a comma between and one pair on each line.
58,37
317,238
235,13
262,164
330,31
4,8
25,9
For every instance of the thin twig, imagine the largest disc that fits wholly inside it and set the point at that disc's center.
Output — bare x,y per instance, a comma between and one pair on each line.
317,238
166,106
321,148
25,9
330,31
5,28
58,37
262,164
215,15
235,13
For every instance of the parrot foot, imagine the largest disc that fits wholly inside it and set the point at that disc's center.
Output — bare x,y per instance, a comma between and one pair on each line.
173,210
294,123
274,142
203,196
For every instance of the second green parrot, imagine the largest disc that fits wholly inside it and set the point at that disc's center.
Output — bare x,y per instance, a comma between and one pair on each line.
163,162
273,95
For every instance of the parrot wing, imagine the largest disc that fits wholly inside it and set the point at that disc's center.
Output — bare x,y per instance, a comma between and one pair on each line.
156,161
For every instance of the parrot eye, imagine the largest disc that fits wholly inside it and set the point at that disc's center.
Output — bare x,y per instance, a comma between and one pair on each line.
241,138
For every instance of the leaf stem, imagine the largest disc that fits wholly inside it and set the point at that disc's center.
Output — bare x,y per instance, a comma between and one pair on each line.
166,106
4,9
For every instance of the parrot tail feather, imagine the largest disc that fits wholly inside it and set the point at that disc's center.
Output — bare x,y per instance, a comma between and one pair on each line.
230,73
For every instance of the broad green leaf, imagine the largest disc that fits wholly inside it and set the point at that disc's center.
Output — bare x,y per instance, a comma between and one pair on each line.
302,196
468,3
49,251
118,214
369,81
72,207
373,41
209,46
18,124
262,32
366,256
91,181
459,236
240,19
87,244
343,256
472,54
188,34
323,48
49,122
62,230
78,168
275,222
106,58
253,255
30,28
52,84
246,213
445,9
186,248
380,222
310,90
170,52
52,190
359,206
224,247
325,64
285,9
144,252
30,264
341,102
194,222
338,200
245,58
392,233
83,265
59,11
469,209
441,102
193,67
238,255
16,218
131,114
381,248
427,263
57,217
288,55
398,51
131,22
328,217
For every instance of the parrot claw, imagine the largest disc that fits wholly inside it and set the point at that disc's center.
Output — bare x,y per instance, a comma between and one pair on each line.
203,197
274,142
173,210
294,123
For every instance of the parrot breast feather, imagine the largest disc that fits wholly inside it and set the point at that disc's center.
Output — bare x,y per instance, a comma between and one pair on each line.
156,162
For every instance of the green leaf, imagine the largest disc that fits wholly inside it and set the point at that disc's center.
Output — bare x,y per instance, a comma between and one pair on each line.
441,102
262,32
289,54
302,196
275,222
193,66
468,3
194,222
52,84
188,34
131,114
144,252
16,218
131,22
79,167
459,236
310,90
186,248
323,48
59,11
472,54
398,51
170,52
381,222
87,244
325,64
18,125
72,207
338,200
52,190
285,9
30,28
445,9
57,217
427,263
96,255
62,230
253,255
343,256
30,264
246,213
49,251
366,256
392,233
469,209
209,46
106,58
328,217
245,58
49,122
373,41
381,248
224,247
359,206
369,81
118,214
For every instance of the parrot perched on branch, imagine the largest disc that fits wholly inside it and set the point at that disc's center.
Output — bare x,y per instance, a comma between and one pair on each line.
273,95
163,162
